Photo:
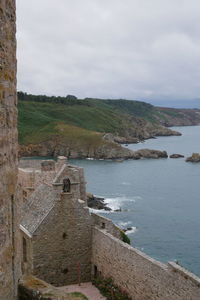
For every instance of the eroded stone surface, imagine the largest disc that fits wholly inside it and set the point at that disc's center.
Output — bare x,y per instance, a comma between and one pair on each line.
140,275
8,147
33,288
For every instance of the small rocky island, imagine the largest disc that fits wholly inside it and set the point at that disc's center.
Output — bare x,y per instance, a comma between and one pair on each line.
194,158
176,155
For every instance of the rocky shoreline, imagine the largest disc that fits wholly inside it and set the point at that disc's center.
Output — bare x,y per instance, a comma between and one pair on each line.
97,203
148,132
107,146
106,150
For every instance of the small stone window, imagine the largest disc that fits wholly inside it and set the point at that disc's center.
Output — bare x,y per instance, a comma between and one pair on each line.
103,225
64,235
95,271
65,271
24,245
66,185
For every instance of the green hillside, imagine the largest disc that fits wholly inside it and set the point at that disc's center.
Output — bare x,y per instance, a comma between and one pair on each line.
95,115
49,124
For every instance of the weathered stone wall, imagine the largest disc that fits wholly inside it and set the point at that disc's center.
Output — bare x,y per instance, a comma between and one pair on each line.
8,147
26,254
36,163
30,163
29,179
76,176
32,288
82,184
62,242
106,224
141,276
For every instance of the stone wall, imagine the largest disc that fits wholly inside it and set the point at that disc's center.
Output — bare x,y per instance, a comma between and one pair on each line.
106,224
26,253
29,179
30,163
32,288
141,276
82,184
8,147
62,242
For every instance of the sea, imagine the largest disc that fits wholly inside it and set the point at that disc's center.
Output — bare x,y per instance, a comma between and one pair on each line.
158,199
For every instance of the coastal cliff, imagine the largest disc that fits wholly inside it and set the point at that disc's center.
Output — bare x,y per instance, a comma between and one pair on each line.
51,126
74,142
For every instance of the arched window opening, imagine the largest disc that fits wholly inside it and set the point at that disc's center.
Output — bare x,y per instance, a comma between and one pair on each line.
66,185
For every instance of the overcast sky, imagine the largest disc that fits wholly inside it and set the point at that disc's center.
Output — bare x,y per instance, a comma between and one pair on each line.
133,49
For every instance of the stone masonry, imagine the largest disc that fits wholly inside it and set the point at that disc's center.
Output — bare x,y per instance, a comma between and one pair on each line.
56,226
8,148
60,240
61,237
138,274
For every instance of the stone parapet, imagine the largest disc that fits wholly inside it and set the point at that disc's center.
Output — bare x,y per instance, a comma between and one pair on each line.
106,224
141,276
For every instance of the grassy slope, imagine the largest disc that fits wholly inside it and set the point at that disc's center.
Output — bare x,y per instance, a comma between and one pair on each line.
37,120
82,119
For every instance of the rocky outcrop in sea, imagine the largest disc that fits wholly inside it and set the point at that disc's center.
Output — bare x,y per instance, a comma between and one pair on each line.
194,158
149,153
176,155
95,202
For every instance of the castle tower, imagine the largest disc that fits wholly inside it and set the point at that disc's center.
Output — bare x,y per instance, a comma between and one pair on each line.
8,147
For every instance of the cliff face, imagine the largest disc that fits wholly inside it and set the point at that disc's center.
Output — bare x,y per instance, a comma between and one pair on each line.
92,127
178,117
8,148
101,150
75,142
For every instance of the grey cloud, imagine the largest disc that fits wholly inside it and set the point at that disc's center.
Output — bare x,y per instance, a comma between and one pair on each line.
134,49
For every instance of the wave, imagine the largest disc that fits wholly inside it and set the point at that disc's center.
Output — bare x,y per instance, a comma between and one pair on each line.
120,202
102,211
124,224
132,230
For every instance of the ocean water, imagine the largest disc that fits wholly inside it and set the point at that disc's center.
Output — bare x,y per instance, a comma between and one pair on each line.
159,199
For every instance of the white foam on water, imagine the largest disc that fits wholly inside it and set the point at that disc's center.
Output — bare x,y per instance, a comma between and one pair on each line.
133,230
97,211
117,203
124,224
